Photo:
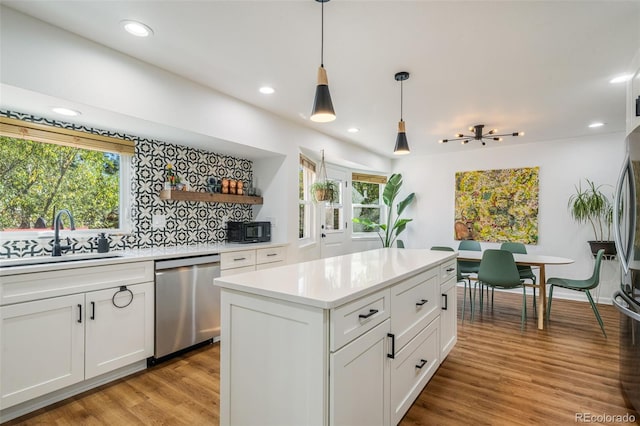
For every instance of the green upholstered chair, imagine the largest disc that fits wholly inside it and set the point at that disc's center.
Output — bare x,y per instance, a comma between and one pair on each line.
526,273
469,266
461,278
498,270
580,285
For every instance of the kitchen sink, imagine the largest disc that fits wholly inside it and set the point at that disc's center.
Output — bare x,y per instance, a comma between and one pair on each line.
40,260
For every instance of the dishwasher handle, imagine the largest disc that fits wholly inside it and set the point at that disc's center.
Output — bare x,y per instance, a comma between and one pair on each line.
187,261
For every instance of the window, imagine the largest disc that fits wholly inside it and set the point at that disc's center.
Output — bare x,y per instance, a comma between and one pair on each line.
306,176
333,212
44,169
366,199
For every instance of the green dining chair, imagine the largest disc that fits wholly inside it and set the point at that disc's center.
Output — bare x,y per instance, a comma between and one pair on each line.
469,266
499,270
461,278
580,285
526,273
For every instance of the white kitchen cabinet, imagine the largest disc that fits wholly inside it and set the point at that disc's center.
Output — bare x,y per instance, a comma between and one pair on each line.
118,335
236,262
359,384
363,359
42,347
448,317
60,331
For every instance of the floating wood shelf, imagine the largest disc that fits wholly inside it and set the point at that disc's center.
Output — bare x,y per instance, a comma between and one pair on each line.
169,194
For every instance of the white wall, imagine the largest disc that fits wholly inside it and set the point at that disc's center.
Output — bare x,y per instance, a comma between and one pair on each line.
47,60
563,163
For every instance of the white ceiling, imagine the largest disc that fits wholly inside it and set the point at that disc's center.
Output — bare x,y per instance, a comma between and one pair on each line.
542,67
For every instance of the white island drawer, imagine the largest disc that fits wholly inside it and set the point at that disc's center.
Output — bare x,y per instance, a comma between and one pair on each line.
237,259
448,270
356,318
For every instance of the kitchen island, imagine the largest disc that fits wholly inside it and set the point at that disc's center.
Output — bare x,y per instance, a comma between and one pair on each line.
350,339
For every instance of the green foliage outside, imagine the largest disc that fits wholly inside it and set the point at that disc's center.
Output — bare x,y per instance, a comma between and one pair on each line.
36,178
365,193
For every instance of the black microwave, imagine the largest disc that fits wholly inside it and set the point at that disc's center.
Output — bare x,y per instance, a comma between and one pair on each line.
248,232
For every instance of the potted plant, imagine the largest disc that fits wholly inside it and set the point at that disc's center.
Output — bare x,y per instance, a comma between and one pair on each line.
324,189
389,231
591,205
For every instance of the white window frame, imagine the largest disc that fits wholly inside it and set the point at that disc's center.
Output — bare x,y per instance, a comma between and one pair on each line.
309,176
358,177
57,136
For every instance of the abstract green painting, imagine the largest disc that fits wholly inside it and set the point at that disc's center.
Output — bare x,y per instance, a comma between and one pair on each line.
497,205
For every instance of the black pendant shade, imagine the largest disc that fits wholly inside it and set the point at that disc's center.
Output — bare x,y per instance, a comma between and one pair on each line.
402,145
322,106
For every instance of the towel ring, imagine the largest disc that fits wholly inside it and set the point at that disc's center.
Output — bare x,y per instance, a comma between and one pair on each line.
122,289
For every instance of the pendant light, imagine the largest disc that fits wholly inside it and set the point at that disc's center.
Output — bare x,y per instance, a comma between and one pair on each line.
402,146
322,106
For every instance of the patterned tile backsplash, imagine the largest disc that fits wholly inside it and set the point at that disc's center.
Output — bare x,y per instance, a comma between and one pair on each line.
187,222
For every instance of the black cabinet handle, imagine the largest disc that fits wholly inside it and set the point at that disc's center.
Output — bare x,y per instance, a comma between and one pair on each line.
421,302
79,313
239,258
392,355
423,362
93,310
371,312
446,302
451,269
272,254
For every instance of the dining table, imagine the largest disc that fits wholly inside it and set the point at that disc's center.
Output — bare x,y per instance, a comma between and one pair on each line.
529,259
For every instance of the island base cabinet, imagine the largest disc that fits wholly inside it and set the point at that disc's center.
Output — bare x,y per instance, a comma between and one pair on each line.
42,347
448,318
359,380
272,362
412,368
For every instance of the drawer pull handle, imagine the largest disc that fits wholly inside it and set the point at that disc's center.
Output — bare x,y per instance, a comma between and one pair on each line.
423,362
371,312
237,259
451,269
93,310
422,302
272,254
392,355
446,302
80,313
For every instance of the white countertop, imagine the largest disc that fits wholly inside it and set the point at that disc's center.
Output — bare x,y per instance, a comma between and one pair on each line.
331,282
134,255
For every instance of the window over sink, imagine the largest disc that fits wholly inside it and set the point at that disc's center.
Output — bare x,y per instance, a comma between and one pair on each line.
44,169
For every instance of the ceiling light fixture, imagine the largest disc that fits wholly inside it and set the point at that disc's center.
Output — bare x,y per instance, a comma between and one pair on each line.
402,146
620,79
596,124
322,111
266,90
66,111
479,136
137,29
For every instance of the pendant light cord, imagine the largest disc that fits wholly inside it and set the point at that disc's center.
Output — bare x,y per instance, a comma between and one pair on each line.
401,91
322,36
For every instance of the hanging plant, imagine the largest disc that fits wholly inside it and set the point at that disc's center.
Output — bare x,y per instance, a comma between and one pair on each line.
323,189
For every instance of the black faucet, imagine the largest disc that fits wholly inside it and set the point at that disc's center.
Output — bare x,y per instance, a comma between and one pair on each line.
57,249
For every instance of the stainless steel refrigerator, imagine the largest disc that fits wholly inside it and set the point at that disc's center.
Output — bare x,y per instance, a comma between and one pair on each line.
627,298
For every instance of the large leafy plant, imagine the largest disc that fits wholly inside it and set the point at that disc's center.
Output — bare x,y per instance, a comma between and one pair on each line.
591,205
389,231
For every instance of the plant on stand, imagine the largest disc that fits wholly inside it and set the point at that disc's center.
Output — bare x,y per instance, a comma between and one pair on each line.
324,189
389,231
591,205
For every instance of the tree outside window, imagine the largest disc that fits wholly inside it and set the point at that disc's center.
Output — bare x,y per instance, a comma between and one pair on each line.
366,200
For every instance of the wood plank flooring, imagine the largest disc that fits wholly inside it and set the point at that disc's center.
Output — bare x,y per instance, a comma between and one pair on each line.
495,375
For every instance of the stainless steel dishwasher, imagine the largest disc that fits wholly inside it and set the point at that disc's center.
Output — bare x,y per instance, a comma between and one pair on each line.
187,303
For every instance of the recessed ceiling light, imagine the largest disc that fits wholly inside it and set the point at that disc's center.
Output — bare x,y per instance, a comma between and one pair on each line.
267,90
65,111
620,79
597,124
137,29
353,130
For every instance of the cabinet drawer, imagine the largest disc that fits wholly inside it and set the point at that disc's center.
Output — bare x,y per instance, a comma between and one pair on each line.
415,302
233,271
356,318
237,259
412,368
448,270
268,255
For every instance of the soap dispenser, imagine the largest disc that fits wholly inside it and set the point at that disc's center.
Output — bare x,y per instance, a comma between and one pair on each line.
103,243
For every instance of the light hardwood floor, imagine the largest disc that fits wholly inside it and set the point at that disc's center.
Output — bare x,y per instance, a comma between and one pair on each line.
495,375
